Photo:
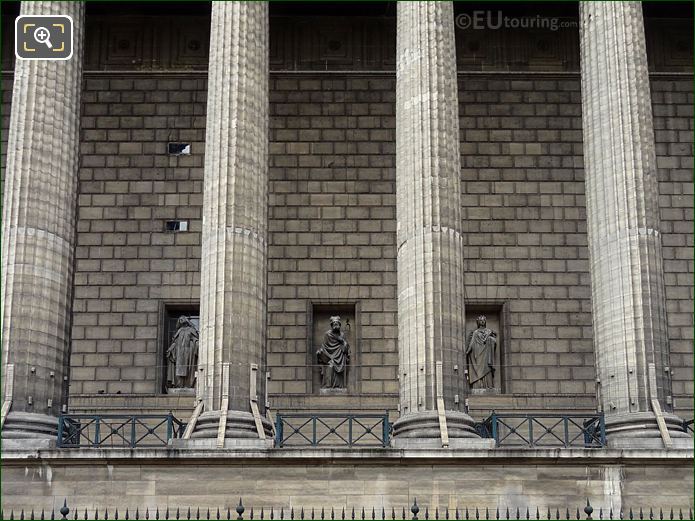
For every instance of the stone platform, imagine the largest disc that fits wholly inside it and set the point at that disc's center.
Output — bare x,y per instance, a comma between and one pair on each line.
339,478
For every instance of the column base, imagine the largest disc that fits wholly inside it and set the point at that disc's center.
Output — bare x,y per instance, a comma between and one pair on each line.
240,431
639,430
29,430
420,430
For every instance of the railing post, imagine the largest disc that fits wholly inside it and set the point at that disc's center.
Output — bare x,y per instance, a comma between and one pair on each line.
61,423
529,419
132,432
278,430
495,434
170,427
350,430
313,439
602,426
565,422
385,430
96,430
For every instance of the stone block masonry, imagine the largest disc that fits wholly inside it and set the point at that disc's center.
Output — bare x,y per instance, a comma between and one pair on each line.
332,227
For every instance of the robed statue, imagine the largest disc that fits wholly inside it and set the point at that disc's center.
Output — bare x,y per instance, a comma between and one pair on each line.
334,356
480,356
182,355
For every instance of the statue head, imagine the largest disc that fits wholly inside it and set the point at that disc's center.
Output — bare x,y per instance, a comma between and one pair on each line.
481,321
184,321
335,323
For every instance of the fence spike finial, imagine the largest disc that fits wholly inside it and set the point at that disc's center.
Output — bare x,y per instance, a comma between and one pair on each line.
262,514
240,510
64,510
414,509
588,509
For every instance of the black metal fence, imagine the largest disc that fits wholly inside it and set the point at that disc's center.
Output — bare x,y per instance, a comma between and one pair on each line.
413,512
534,430
118,430
538,430
332,429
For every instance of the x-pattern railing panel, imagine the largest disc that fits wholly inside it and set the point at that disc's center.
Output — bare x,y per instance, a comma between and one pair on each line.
545,430
332,430
114,430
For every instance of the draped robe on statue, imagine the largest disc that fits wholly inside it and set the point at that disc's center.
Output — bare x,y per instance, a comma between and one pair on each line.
182,355
334,356
480,358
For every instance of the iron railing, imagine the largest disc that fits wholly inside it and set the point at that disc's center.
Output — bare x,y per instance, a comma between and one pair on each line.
118,430
413,512
688,426
539,430
332,429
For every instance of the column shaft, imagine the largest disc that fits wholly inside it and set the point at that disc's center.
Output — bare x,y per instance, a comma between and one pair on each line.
38,231
431,317
622,199
234,234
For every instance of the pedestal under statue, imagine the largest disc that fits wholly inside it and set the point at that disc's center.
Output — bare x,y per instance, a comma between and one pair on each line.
480,356
334,356
182,356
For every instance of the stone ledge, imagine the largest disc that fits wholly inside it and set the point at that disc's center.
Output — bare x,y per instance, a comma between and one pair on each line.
366,456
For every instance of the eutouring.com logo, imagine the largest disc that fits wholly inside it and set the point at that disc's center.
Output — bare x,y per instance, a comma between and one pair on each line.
480,20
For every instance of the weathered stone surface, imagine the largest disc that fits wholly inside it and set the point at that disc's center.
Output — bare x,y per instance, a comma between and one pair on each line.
467,478
38,230
623,224
235,217
431,317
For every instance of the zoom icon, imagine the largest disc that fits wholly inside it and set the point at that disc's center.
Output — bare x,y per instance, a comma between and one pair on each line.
43,37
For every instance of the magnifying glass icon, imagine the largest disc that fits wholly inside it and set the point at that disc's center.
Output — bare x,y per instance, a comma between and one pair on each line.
43,35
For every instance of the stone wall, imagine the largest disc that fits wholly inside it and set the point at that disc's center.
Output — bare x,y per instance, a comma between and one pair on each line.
332,224
326,479
127,264
673,126
333,230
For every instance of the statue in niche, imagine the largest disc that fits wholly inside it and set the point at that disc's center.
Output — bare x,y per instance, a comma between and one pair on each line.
182,355
334,356
480,356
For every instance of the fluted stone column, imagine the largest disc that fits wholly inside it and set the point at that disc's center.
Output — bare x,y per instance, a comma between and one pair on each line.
235,224
622,199
431,316
38,232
